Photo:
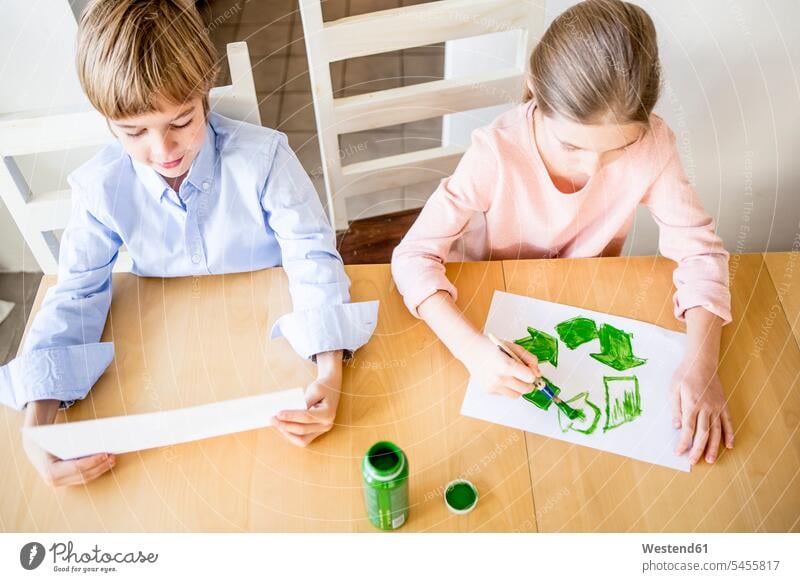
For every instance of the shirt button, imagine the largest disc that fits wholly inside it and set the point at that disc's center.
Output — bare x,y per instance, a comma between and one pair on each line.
206,186
195,259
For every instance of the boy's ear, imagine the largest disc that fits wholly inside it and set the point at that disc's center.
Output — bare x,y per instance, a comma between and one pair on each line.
111,131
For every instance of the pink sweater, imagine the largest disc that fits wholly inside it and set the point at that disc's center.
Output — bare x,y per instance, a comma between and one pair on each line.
501,204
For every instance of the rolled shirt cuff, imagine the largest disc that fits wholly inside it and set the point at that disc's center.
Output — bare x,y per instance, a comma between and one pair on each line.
347,326
64,373
713,297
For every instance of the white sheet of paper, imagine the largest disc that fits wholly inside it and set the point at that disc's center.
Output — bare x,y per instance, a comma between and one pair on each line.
650,437
136,432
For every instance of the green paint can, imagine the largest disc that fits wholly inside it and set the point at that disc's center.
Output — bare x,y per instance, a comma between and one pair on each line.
384,470
460,496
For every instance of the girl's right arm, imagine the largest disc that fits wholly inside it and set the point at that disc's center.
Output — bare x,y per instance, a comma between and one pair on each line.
418,268
486,363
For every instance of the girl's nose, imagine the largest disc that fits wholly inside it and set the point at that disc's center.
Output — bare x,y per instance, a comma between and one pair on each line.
592,165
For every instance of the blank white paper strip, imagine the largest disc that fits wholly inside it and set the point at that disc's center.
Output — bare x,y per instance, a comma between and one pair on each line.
136,432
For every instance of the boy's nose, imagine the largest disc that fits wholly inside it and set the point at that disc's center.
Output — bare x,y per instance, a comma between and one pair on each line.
161,147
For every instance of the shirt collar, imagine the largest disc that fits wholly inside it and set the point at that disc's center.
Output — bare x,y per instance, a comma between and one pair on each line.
201,170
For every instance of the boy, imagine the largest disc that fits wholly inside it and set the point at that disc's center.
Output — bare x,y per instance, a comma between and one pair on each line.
188,192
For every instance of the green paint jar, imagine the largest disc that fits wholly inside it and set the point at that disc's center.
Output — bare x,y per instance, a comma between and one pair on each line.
460,496
384,470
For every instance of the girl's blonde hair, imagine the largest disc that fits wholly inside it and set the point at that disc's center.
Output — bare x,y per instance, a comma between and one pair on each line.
597,59
131,53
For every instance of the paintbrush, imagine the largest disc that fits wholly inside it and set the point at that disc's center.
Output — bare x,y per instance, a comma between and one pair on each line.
538,383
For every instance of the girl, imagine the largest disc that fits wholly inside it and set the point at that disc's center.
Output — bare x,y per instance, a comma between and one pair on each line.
561,175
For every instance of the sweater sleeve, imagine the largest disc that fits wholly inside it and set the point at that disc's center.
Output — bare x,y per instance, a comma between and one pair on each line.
687,236
418,262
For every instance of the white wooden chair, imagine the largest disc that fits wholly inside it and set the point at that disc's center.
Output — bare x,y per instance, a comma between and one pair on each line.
24,137
397,29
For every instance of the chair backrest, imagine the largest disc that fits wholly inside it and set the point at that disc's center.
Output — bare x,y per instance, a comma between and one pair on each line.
41,213
398,29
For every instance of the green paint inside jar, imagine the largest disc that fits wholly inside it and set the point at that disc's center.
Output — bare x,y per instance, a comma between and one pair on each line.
460,496
384,458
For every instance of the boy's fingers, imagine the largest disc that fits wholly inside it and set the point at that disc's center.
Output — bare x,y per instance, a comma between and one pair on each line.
312,399
295,416
94,473
64,473
713,441
700,437
70,472
301,429
295,440
727,427
687,432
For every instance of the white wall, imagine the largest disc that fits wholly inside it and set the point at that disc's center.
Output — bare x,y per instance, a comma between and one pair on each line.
732,96
37,72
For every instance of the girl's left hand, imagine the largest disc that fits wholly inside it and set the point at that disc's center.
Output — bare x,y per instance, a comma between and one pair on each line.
300,427
700,410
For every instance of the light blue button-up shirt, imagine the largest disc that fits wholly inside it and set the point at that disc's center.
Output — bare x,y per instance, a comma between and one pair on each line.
246,204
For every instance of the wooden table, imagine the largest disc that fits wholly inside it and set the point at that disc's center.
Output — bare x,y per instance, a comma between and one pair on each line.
181,342
754,487
784,270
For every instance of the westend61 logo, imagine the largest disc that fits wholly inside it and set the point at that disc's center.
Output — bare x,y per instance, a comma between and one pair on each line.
66,559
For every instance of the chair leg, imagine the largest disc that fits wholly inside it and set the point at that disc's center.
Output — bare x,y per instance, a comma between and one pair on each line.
340,221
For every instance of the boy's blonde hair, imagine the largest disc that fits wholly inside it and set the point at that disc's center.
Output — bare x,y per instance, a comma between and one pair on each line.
597,58
131,53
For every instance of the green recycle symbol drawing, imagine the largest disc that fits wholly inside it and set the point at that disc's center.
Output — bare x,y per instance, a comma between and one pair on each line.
622,396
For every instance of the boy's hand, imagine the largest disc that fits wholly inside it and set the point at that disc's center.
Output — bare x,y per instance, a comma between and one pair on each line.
54,471
700,410
499,373
300,427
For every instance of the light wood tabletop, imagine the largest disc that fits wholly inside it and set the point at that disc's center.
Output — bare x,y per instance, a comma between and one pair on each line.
754,487
784,269
187,341
181,342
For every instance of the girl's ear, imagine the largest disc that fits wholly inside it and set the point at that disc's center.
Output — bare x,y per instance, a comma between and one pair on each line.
528,93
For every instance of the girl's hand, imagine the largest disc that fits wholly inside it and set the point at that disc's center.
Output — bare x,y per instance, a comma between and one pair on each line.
499,373
54,471
700,410
300,427
485,362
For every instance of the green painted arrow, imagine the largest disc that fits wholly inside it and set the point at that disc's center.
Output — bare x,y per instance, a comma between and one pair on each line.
540,344
587,422
616,350
577,331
